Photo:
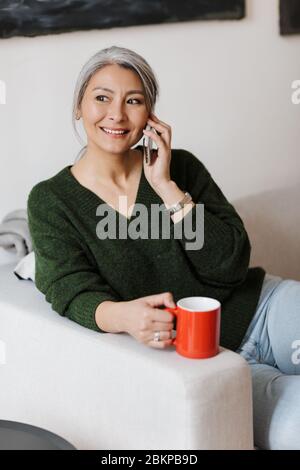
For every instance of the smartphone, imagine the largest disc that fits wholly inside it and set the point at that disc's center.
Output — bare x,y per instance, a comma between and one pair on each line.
148,145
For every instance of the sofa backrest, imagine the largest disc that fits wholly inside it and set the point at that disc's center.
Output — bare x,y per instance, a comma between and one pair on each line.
272,220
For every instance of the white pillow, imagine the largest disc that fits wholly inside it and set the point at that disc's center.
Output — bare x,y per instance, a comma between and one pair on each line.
25,268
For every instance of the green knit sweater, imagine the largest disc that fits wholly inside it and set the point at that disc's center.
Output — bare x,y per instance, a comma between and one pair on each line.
76,270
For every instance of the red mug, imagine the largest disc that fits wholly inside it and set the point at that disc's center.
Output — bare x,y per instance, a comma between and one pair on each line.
197,327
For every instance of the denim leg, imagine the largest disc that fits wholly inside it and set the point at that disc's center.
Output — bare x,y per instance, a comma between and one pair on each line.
271,347
284,327
256,345
276,408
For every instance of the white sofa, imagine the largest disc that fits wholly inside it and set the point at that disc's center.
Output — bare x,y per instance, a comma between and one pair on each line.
110,392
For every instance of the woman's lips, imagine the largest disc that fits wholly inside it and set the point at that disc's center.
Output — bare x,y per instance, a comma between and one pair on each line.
115,136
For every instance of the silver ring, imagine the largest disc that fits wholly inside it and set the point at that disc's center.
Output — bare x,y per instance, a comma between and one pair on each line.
156,336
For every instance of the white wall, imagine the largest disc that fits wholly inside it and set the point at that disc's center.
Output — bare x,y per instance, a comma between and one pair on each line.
225,90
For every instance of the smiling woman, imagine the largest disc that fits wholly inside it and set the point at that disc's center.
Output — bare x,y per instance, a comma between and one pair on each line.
89,279
124,284
128,82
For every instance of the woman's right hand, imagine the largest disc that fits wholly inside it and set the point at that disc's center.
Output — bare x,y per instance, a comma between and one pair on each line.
142,319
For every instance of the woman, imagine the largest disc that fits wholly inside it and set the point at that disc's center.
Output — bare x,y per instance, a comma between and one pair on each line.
115,284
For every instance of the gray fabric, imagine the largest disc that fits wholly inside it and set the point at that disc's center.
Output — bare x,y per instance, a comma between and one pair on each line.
14,233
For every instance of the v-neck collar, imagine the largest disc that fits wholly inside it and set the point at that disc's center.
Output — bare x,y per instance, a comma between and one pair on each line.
93,195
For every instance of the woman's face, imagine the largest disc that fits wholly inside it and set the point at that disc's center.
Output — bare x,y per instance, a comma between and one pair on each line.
120,108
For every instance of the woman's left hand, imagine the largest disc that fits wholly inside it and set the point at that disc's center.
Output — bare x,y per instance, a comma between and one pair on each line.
158,172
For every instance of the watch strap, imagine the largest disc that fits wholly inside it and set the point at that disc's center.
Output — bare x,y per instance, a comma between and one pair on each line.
180,205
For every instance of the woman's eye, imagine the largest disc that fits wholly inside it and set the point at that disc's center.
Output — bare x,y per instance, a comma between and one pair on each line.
134,99
100,96
103,96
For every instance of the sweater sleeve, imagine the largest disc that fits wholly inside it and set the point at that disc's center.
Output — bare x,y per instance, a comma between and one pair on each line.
223,258
63,272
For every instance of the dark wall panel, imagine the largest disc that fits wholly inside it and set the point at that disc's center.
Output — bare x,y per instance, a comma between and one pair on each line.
37,17
289,17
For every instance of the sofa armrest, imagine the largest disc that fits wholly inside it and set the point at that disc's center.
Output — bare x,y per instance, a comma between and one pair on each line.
107,391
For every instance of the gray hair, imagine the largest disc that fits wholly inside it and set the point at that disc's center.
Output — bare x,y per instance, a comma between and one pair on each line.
125,58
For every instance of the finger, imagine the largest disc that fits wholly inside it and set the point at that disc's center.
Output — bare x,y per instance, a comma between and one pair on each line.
162,326
161,315
163,336
160,142
153,315
164,298
155,118
159,125
160,344
161,130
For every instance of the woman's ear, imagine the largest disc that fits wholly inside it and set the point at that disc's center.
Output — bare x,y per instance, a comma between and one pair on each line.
77,116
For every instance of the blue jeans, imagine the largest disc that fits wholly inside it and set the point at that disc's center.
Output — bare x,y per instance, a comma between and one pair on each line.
271,346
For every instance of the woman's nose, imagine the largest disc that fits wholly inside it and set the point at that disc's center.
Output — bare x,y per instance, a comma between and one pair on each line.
116,111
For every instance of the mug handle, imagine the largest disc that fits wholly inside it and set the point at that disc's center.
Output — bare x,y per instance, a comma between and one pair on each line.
174,311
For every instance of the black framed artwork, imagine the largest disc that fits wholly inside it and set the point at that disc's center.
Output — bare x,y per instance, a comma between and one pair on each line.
39,17
289,17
